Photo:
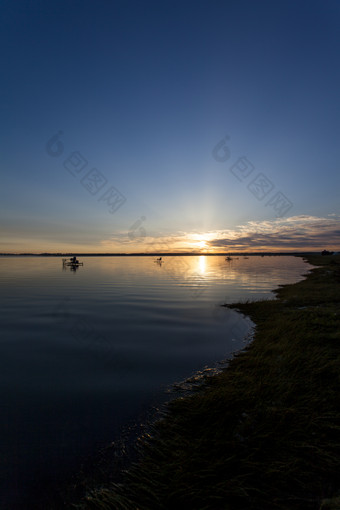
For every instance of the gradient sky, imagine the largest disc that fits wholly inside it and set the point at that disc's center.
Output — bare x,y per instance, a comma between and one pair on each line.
123,103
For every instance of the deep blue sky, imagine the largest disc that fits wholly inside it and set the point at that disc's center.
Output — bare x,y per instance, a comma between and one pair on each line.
144,90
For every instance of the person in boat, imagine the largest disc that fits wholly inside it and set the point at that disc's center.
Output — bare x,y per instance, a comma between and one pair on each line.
74,260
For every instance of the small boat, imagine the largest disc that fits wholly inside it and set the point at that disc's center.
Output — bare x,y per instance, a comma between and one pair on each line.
228,258
73,262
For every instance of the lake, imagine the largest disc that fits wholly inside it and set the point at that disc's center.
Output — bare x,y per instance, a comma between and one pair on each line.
85,352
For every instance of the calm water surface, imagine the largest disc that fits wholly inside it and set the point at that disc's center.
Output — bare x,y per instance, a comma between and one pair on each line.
85,351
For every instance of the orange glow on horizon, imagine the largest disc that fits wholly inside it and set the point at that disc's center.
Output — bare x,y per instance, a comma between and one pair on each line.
277,236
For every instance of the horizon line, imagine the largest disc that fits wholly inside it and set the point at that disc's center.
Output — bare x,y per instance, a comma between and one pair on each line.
150,254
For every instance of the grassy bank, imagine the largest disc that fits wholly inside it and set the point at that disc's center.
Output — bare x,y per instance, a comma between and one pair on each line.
263,434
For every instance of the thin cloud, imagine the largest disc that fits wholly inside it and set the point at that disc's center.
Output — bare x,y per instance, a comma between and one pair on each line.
289,234
297,232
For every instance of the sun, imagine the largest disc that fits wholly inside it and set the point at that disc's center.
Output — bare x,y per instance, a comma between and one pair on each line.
199,242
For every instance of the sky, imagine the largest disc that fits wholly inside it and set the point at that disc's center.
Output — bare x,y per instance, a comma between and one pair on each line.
176,125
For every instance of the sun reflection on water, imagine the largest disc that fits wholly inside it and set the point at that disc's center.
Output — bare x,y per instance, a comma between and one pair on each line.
202,264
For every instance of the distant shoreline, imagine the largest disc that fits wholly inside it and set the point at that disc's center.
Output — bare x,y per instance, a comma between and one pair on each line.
168,254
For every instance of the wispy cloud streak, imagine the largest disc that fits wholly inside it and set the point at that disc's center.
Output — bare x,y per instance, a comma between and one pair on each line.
297,232
289,234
